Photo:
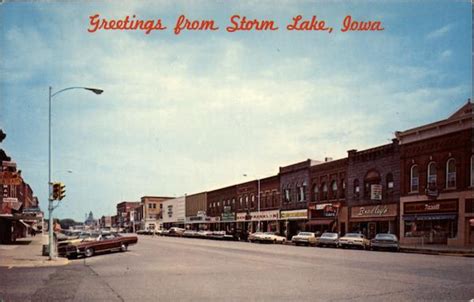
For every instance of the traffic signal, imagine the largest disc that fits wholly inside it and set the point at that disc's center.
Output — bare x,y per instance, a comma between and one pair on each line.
59,191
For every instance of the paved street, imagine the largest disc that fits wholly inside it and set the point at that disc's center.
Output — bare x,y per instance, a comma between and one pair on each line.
171,269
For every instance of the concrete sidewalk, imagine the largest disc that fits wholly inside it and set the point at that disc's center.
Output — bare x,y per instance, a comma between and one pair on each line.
27,252
433,249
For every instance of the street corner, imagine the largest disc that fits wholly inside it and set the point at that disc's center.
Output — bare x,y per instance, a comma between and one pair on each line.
11,262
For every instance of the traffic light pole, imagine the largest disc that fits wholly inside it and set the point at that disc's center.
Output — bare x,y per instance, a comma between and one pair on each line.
50,193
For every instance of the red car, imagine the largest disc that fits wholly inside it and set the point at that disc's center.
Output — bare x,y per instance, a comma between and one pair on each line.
103,243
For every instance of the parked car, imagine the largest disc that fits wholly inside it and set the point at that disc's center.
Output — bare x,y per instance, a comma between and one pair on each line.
165,232
354,240
385,241
328,239
190,233
304,238
272,237
175,231
103,243
255,237
204,234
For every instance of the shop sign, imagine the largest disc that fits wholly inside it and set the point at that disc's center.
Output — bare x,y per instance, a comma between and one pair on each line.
170,211
322,206
214,219
241,216
195,218
228,216
376,192
374,211
431,207
10,178
329,211
201,213
265,215
297,214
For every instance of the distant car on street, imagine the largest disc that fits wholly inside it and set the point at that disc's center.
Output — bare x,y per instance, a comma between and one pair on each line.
190,233
385,241
354,240
103,243
304,238
328,239
272,237
255,237
175,231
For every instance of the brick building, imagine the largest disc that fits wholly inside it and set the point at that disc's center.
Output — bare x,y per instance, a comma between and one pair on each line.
373,190
437,181
126,214
221,205
326,211
295,196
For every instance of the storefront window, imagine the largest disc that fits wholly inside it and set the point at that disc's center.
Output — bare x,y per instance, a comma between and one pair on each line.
414,179
451,173
431,174
432,231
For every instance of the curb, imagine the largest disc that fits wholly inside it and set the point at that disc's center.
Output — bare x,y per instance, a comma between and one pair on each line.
21,262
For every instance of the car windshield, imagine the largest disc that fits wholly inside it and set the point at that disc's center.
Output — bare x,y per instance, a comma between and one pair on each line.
354,235
305,234
329,235
386,236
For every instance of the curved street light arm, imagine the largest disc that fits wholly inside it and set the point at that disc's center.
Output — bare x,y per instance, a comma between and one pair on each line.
94,90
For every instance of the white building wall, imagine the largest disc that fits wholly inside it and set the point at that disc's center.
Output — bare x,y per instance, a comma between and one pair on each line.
174,210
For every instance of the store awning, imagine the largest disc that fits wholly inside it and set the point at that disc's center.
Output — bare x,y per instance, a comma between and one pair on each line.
320,221
429,217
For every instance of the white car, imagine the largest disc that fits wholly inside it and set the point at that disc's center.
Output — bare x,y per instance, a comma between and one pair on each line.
304,238
272,237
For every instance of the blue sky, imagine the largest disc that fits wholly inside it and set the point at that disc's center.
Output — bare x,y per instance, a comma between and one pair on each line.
193,112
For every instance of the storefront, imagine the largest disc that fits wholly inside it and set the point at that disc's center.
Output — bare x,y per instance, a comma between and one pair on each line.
322,217
430,222
292,222
373,219
248,222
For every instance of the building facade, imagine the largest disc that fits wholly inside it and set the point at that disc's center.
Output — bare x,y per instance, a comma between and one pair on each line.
174,212
221,205
152,212
196,211
373,190
295,196
126,215
437,182
327,210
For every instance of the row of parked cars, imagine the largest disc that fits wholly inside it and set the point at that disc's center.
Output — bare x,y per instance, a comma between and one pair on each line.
381,241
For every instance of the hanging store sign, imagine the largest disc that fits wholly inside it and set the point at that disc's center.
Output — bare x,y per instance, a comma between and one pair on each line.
376,192
295,214
9,178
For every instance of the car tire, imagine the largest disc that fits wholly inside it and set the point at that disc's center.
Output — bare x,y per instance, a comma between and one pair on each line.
123,247
89,252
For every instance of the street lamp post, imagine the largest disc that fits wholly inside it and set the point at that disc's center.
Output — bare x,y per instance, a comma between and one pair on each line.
50,195
258,203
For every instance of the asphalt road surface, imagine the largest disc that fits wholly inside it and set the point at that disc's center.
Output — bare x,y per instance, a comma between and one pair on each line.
182,269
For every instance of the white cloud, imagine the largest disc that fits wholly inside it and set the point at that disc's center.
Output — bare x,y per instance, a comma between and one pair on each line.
440,32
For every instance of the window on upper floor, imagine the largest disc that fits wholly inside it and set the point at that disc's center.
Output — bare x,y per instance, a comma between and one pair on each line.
325,191
451,173
356,188
334,189
472,170
389,181
431,176
414,179
315,192
343,186
372,178
287,195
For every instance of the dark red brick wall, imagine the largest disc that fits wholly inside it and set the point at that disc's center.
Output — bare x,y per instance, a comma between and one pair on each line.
383,159
439,149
